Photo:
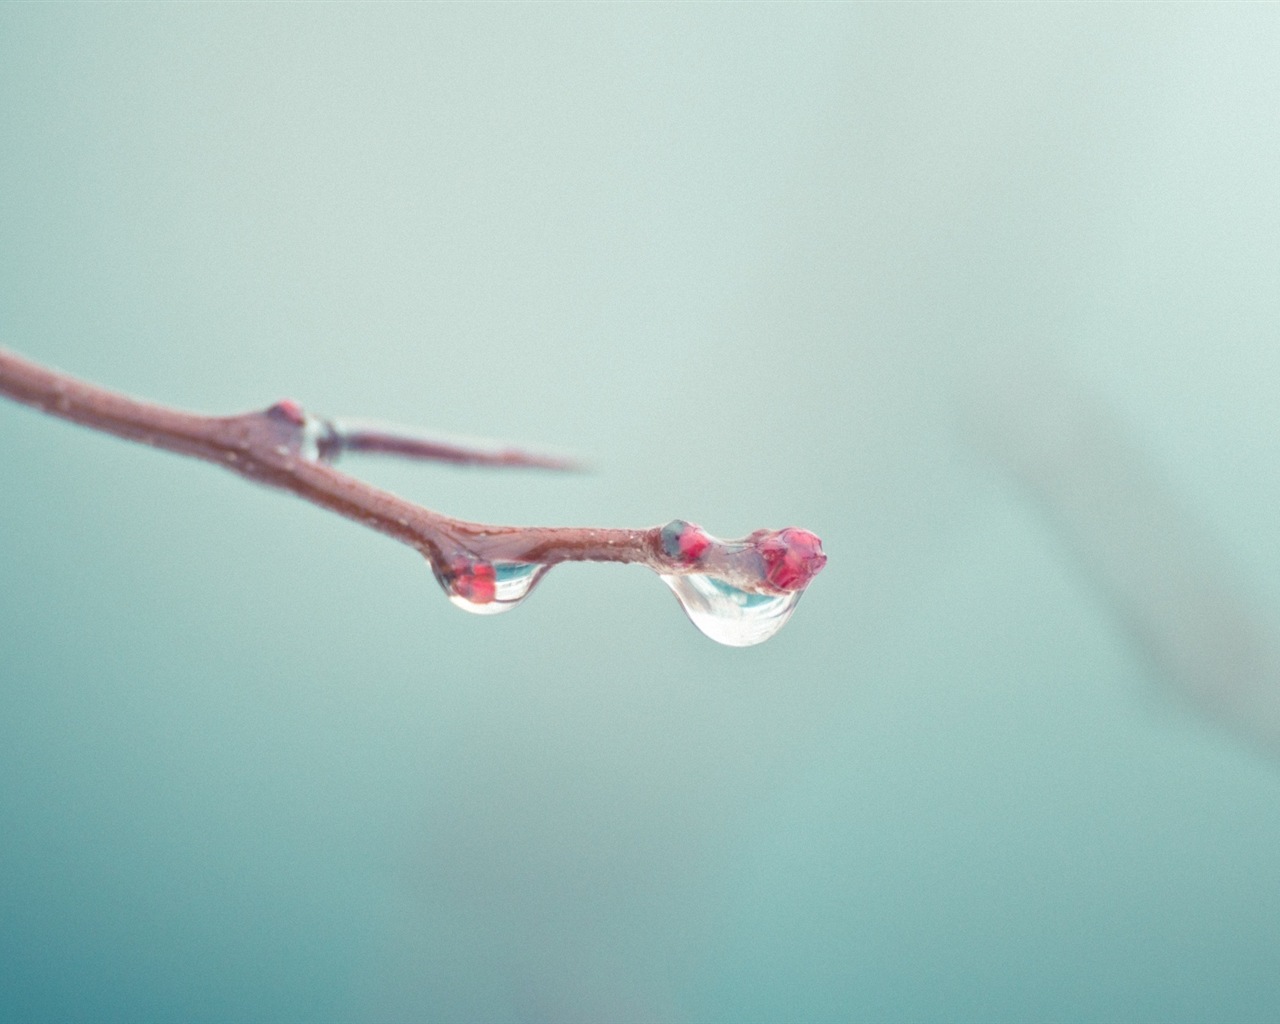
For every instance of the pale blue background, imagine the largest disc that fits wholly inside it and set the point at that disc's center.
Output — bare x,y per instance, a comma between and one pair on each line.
254,767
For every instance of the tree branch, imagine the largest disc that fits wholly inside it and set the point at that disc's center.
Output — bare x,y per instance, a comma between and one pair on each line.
286,447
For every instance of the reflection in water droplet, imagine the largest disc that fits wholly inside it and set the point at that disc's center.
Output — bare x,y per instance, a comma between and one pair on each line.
485,588
738,618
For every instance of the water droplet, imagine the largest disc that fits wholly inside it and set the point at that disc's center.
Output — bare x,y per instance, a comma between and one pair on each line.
306,435
311,439
488,588
728,614
288,410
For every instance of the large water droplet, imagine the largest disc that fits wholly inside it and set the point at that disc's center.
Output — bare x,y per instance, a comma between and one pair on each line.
488,588
729,615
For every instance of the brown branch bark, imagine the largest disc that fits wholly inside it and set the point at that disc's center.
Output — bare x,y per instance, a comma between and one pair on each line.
285,447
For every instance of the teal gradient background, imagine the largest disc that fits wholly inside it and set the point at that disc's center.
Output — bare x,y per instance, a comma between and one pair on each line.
755,264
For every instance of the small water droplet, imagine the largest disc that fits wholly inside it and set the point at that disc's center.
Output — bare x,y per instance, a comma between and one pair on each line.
728,614
685,542
307,434
311,439
488,588
288,410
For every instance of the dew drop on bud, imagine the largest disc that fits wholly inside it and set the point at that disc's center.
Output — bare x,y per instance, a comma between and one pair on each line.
792,557
489,588
305,433
728,614
288,410
685,542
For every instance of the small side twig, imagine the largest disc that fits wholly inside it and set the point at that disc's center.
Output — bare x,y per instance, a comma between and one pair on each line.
286,447
370,438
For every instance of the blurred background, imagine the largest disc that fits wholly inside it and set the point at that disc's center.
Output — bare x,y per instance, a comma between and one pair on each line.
984,296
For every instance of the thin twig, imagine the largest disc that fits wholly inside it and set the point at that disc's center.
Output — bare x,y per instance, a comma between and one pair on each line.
371,438
283,446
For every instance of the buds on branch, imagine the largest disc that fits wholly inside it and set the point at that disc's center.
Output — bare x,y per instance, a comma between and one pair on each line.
738,592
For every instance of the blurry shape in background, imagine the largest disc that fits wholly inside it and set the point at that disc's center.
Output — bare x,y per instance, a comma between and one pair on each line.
1182,601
